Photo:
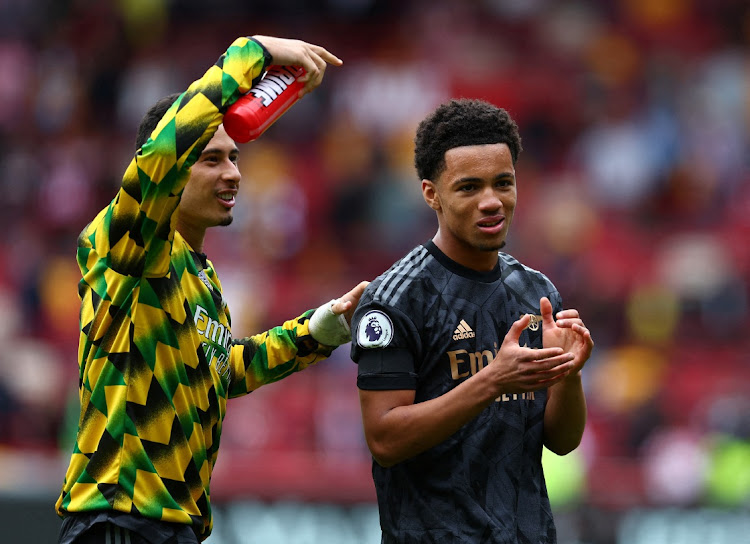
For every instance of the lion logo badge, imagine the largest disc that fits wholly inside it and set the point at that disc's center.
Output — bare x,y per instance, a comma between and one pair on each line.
375,330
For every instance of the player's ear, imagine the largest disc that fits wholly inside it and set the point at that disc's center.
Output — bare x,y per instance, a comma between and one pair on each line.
430,194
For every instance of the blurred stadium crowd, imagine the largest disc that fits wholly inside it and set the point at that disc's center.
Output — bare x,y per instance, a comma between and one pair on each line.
634,198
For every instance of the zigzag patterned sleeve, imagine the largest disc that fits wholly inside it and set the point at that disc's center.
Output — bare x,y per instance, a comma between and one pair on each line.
270,356
136,231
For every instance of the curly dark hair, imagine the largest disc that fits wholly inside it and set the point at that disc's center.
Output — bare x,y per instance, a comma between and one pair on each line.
457,123
152,118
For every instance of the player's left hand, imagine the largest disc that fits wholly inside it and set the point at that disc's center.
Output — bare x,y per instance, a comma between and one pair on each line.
348,303
567,331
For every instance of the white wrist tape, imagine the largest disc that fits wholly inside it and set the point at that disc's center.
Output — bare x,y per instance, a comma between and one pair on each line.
329,328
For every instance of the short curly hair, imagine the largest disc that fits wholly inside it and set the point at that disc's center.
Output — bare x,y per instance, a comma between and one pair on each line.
457,123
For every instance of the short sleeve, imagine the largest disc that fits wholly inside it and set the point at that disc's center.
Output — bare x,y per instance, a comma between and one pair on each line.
384,345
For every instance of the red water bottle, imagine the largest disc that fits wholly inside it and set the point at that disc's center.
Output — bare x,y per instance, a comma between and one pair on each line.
264,103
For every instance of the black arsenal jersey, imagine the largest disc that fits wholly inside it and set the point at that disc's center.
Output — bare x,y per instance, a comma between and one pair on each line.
427,324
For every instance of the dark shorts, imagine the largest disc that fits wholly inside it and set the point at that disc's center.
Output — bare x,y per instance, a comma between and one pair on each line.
120,528
108,533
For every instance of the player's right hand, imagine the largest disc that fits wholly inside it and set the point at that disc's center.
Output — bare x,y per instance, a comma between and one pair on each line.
518,369
313,58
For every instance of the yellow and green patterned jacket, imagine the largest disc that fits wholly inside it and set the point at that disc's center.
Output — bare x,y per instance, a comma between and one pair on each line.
156,355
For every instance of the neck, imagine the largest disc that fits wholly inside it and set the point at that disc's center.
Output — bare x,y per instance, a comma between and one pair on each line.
192,235
475,258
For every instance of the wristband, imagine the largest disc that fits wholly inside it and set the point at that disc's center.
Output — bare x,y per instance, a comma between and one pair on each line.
329,328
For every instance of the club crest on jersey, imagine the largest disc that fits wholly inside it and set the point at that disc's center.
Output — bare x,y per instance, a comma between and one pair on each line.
534,323
202,276
375,330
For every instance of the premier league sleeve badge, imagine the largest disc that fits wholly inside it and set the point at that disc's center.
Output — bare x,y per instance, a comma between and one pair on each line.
375,330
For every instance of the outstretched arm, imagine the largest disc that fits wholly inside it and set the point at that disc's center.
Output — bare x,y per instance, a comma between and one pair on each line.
283,350
565,414
134,235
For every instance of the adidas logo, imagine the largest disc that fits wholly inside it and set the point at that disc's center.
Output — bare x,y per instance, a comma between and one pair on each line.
463,331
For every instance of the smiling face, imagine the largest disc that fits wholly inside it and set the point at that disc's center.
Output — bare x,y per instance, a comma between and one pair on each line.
474,197
209,196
